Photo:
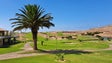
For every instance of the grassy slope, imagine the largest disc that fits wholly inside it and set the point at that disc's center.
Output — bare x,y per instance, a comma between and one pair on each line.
12,48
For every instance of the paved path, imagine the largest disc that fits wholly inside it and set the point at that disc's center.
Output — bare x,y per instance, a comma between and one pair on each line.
18,54
14,55
27,47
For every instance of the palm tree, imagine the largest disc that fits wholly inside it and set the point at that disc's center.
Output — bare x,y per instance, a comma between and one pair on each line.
32,17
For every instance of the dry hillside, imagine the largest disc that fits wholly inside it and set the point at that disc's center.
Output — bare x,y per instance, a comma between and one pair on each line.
106,31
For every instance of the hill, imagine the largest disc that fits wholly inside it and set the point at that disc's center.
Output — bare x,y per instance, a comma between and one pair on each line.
106,31
101,29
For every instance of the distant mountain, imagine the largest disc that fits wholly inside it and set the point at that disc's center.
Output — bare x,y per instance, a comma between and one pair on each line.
101,29
106,31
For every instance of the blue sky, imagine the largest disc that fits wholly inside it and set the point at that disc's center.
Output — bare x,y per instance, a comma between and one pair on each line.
68,14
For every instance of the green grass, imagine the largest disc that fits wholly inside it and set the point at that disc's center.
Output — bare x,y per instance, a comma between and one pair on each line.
88,42
67,44
59,33
28,36
97,57
94,57
12,48
87,38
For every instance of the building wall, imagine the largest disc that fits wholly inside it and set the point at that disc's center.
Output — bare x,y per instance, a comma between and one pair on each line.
1,42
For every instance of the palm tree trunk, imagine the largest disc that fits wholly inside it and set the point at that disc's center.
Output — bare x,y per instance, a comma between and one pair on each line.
34,35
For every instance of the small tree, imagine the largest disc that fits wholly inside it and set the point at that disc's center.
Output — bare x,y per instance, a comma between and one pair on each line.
60,56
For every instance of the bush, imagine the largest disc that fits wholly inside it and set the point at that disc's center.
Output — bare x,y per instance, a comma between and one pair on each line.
60,56
69,37
109,39
93,33
100,38
79,40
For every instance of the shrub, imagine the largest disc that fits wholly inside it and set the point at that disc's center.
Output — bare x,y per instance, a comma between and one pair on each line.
79,40
60,56
69,37
100,38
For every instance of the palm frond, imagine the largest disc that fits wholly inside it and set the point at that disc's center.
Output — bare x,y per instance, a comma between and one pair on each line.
18,28
32,16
